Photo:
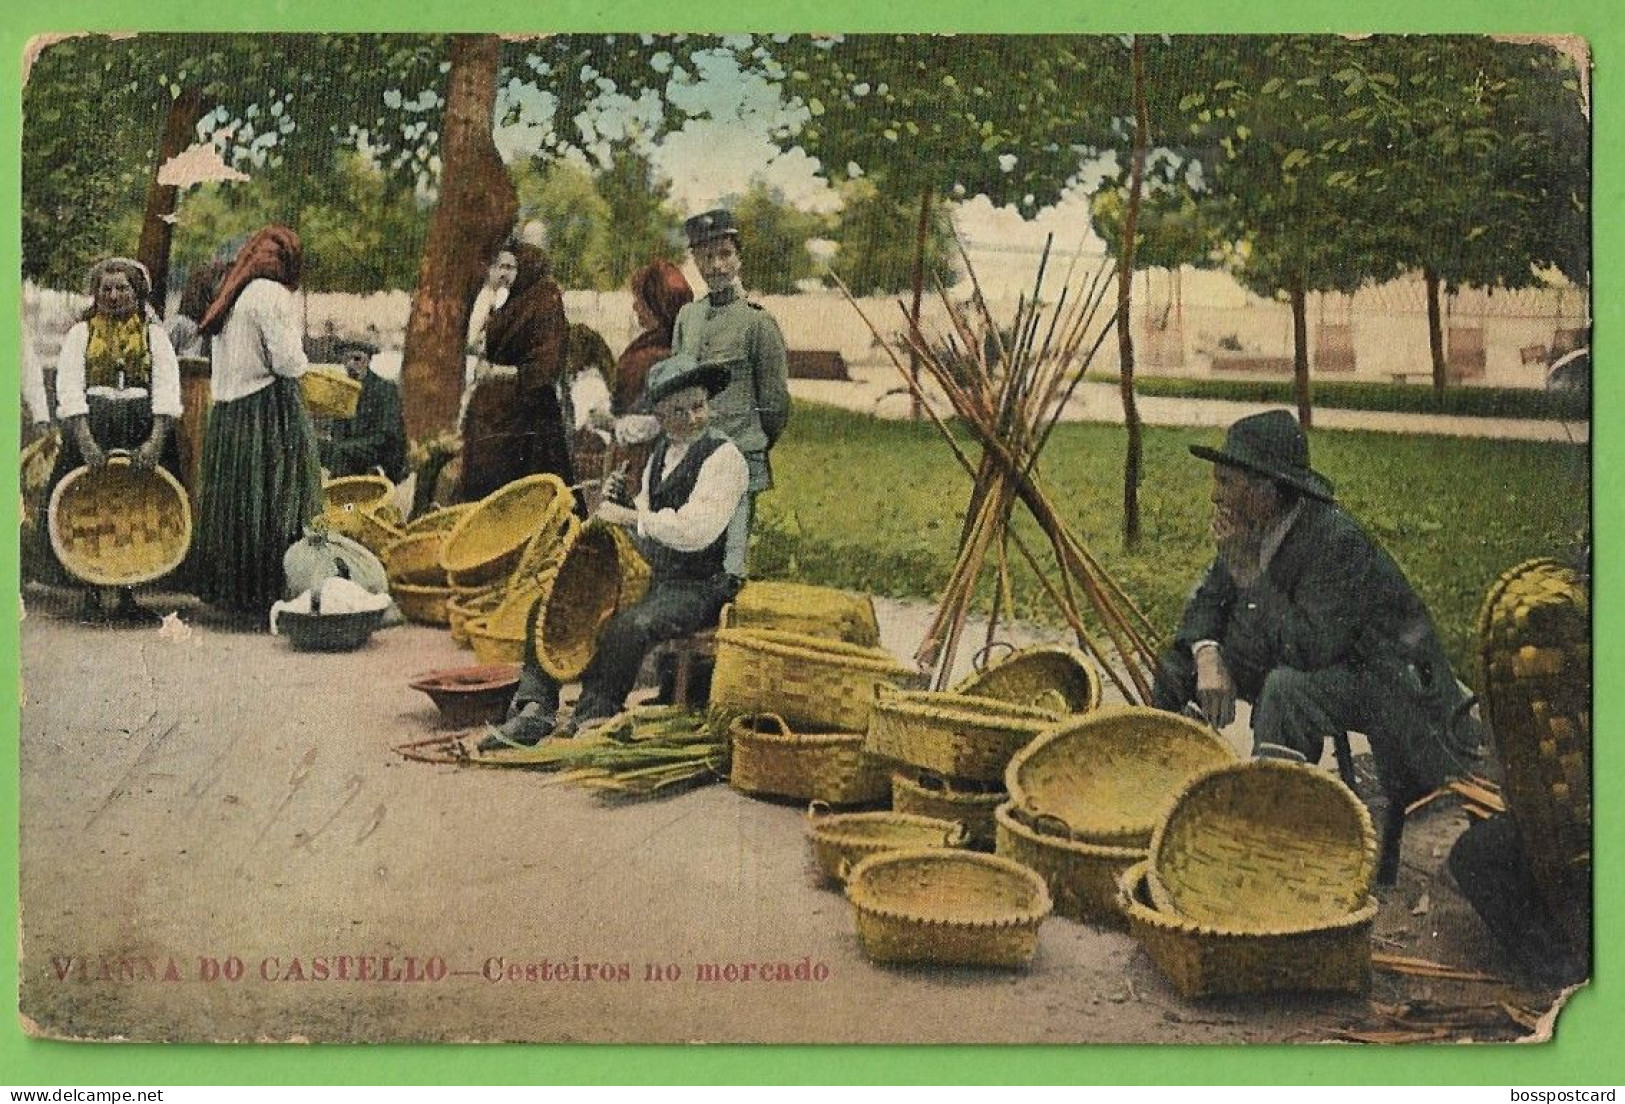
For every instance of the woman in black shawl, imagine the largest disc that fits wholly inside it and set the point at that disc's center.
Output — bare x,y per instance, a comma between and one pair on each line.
514,426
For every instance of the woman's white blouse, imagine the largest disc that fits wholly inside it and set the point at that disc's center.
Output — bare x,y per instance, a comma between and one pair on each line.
263,338
70,374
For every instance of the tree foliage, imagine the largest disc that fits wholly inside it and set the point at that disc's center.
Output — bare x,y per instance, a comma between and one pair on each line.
875,233
774,233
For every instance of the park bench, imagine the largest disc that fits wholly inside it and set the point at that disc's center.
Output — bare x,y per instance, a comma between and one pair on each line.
817,364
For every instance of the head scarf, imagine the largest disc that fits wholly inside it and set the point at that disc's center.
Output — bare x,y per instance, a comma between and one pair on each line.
531,309
665,291
134,271
117,350
200,288
272,254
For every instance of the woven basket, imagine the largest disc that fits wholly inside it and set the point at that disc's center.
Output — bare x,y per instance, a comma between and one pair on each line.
1044,676
1263,847
1534,637
934,796
1203,961
841,840
486,542
1082,876
425,605
34,467
951,908
805,609
444,519
579,591
356,490
494,647
329,392
367,525
498,636
119,525
469,696
328,632
816,684
636,574
1109,775
772,760
544,549
951,734
465,604
415,558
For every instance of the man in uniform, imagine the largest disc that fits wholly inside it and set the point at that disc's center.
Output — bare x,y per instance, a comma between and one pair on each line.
1302,614
724,329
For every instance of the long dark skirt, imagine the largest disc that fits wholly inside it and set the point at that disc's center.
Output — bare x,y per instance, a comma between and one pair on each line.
260,484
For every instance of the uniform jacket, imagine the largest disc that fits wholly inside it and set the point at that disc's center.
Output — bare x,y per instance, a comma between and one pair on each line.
755,406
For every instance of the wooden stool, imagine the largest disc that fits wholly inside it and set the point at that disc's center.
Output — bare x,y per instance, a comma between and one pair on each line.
685,653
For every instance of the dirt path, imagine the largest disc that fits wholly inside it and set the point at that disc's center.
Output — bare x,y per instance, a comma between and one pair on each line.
191,806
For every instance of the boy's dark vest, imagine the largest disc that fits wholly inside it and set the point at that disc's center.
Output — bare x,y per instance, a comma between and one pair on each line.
670,494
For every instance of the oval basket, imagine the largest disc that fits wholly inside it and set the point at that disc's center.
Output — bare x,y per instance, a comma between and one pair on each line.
1081,876
1110,774
772,760
486,542
356,490
415,558
841,840
329,392
119,525
577,593
952,734
425,605
328,632
951,908
1263,847
367,525
469,696
444,519
806,609
465,605
934,796
1044,676
815,683
1203,961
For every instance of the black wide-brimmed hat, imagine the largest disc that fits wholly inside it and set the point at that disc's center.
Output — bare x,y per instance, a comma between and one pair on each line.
710,226
680,370
1270,444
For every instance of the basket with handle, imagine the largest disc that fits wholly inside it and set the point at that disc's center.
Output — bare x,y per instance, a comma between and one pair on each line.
950,908
813,682
579,591
771,759
1045,676
1110,774
840,840
1263,846
805,609
485,544
1202,960
970,803
951,734
1081,876
119,525
329,392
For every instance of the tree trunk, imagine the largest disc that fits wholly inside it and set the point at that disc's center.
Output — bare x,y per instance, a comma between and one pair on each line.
1435,331
1300,349
1125,332
920,235
180,124
475,212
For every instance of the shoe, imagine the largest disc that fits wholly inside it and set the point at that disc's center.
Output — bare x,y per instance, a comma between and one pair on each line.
526,730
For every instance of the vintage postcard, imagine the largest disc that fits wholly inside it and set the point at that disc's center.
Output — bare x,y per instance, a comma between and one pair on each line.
641,538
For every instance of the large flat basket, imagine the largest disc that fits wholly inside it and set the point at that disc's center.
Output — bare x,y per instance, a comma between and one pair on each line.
842,840
1045,676
813,682
1081,876
119,525
770,759
955,735
806,609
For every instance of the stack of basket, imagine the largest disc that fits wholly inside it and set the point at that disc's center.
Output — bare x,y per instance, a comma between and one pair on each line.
418,583
1085,798
797,667
950,748
359,507
1258,881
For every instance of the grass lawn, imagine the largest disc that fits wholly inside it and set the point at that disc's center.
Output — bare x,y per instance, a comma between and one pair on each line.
877,506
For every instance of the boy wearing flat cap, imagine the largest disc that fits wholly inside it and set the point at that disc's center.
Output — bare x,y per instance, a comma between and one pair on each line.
691,489
1303,615
724,329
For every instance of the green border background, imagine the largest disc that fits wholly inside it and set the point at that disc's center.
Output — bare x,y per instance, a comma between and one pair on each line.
1586,1052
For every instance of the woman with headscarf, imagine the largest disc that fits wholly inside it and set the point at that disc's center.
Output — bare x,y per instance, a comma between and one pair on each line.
514,425
659,291
260,476
118,383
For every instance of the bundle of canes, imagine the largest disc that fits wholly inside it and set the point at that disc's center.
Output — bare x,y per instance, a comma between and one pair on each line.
1009,392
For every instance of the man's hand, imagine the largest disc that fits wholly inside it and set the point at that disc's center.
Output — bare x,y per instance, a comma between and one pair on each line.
616,514
600,419
1238,544
1215,689
616,489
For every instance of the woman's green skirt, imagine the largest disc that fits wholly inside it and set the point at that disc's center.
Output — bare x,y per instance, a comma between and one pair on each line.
260,484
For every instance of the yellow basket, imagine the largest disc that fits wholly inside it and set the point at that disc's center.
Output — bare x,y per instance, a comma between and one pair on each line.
1263,847
1081,876
934,796
841,840
443,519
486,542
119,525
1109,775
329,392
802,608
1205,961
367,525
1044,676
494,647
425,605
415,559
465,605
951,734
950,908
771,760
814,683
580,590
356,490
